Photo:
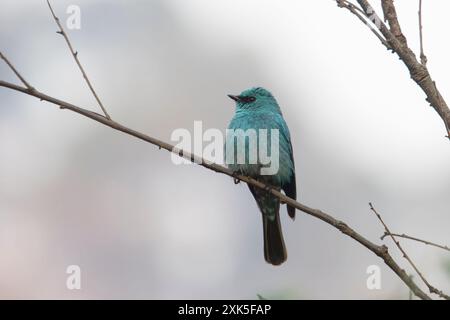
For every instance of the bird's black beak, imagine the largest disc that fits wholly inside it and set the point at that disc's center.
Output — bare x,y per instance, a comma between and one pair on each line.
235,98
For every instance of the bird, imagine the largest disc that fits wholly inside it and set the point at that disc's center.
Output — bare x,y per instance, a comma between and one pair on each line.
256,108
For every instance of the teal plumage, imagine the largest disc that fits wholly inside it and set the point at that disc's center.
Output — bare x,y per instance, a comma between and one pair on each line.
256,108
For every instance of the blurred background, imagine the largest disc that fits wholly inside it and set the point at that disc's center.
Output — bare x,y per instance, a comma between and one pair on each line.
74,192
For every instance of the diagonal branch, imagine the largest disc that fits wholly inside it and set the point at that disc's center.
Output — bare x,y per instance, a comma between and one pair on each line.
390,15
405,236
397,243
75,56
362,17
397,42
380,251
22,79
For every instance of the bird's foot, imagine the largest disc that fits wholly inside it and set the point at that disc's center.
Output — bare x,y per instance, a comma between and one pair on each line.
235,174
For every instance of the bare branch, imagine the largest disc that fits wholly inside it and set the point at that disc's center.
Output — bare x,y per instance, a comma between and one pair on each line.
75,56
390,15
405,236
397,243
418,71
381,251
361,16
411,294
423,57
22,79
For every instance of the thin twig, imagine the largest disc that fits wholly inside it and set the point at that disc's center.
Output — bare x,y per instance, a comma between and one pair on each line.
397,243
423,57
418,71
397,43
380,251
75,56
361,16
22,79
405,236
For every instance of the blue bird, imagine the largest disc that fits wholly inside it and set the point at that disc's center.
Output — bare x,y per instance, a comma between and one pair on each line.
256,109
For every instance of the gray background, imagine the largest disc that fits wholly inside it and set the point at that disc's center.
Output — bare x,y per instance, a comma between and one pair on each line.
75,192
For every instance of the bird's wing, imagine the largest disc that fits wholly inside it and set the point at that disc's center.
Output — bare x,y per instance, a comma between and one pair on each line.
289,187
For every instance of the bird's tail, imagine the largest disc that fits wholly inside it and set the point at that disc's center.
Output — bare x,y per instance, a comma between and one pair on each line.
274,248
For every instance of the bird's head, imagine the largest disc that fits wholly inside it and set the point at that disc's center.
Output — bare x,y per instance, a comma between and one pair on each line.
255,99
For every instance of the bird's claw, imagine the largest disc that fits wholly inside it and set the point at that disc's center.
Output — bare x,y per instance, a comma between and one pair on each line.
235,174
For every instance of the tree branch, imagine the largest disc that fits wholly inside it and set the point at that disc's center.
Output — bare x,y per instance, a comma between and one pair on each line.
22,79
75,56
380,251
390,15
397,42
362,17
423,57
405,255
405,236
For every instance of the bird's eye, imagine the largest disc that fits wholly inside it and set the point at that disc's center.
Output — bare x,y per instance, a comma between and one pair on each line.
248,99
